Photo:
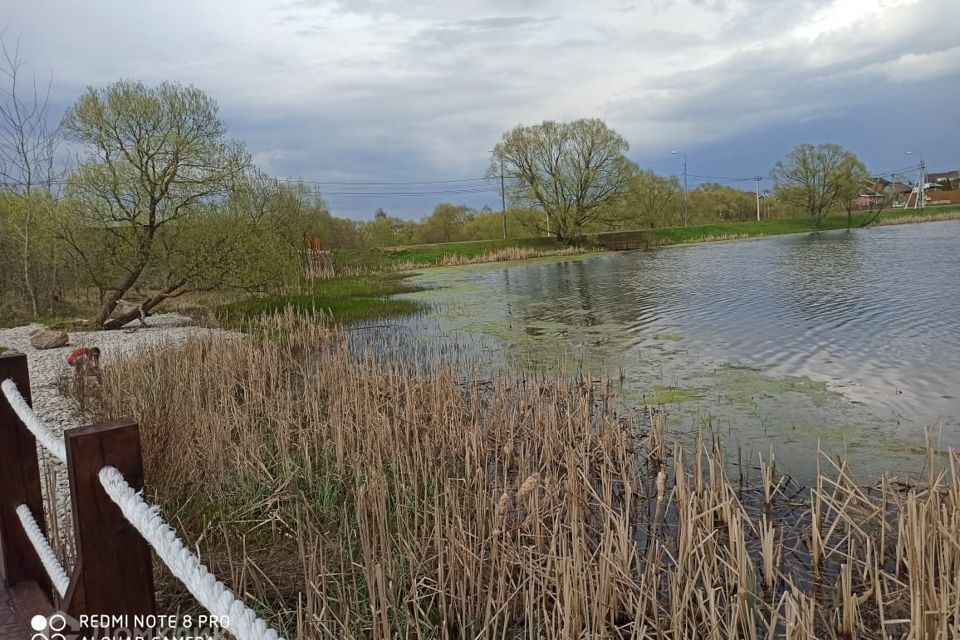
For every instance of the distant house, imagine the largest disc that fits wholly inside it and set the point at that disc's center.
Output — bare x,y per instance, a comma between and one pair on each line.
945,179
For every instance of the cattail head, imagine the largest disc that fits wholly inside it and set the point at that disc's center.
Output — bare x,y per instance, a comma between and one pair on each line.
529,486
503,505
661,484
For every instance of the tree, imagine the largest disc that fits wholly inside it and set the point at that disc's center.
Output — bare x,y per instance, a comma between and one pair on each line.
570,171
818,178
28,148
445,224
157,159
650,195
715,201
871,197
385,230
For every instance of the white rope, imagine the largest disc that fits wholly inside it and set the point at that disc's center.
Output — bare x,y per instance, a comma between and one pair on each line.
50,441
47,557
209,592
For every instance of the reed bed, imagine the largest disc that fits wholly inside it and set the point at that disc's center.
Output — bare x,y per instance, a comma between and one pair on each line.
505,254
353,497
908,219
713,237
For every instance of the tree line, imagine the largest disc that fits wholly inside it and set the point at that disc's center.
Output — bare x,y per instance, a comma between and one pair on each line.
162,202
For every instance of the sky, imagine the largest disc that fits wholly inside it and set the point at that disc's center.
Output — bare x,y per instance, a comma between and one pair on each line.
349,93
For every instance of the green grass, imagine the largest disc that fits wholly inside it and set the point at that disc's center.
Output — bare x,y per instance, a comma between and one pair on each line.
731,230
3,349
348,300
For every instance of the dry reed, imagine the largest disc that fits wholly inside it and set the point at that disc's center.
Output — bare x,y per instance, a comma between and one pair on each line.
350,497
936,217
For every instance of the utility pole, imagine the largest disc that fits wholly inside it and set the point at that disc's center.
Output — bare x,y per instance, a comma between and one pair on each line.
920,190
758,179
503,199
685,208
923,183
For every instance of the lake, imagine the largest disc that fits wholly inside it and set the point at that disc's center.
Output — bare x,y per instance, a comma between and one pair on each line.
850,339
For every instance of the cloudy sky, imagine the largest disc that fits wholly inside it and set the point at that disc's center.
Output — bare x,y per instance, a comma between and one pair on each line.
367,91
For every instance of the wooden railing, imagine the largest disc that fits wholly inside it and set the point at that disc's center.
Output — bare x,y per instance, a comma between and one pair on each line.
112,572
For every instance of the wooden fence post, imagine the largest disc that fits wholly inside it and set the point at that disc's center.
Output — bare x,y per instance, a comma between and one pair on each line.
113,573
19,484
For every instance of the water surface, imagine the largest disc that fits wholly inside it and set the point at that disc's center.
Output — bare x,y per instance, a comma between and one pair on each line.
848,338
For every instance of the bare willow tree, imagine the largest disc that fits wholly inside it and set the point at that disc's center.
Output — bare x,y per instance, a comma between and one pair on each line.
819,177
28,150
157,159
568,170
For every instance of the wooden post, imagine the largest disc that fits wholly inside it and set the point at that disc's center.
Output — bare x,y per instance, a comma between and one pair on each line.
19,484
114,573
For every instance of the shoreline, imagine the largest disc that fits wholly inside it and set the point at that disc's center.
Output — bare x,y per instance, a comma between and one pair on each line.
657,238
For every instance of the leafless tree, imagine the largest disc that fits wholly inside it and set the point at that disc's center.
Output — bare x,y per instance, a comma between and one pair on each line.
28,149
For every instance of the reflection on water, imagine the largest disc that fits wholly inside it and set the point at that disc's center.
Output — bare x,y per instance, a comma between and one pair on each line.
874,313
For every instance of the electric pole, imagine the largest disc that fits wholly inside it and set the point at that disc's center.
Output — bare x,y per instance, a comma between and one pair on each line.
758,179
685,208
923,183
503,199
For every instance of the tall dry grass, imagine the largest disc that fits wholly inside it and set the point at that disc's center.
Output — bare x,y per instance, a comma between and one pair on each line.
937,217
505,254
349,497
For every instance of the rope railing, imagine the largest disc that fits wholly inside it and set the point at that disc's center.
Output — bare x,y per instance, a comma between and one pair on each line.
50,441
45,552
211,593
240,620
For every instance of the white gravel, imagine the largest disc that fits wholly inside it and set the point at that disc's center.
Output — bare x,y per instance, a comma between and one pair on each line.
59,412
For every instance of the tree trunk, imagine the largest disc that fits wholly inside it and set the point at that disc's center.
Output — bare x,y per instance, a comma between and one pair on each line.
113,297
27,280
145,307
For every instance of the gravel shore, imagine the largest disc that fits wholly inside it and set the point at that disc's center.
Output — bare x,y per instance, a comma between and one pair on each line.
61,413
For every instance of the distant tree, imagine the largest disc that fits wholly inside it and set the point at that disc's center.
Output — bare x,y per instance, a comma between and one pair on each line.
157,160
570,171
721,202
28,146
385,230
818,178
649,196
445,224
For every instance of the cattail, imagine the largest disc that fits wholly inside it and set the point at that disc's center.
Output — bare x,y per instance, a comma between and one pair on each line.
529,486
661,484
502,506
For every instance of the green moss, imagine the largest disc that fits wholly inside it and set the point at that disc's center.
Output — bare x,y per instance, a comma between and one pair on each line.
3,349
743,386
675,395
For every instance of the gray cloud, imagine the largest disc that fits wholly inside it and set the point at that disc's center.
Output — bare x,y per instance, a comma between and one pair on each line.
419,90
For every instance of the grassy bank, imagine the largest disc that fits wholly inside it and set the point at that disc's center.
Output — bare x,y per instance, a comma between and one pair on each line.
344,300
454,253
358,499
736,230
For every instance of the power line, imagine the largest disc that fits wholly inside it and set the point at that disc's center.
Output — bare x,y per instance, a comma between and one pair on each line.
366,183
726,178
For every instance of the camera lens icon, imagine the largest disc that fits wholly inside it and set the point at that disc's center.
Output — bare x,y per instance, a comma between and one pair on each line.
53,624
